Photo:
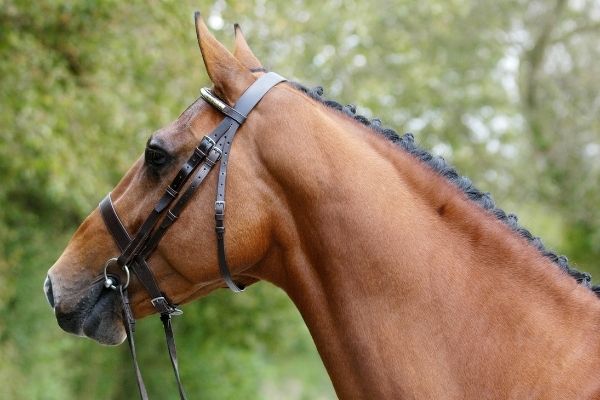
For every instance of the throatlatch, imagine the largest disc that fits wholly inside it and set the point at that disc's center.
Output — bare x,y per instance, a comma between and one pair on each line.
136,250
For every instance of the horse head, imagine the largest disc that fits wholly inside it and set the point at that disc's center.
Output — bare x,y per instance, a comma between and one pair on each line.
184,262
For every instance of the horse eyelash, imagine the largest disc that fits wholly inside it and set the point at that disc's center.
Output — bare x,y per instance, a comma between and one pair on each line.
154,153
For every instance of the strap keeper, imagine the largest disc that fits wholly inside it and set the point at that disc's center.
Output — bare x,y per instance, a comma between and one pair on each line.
199,153
171,216
234,114
172,192
206,144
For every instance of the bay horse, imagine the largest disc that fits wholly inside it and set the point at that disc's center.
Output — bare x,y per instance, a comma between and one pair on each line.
412,283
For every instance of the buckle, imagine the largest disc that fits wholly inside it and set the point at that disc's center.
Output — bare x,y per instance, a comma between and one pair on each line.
206,144
219,207
214,155
161,304
164,307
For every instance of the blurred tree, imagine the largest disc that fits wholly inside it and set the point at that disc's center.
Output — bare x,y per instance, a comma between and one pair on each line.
560,102
506,90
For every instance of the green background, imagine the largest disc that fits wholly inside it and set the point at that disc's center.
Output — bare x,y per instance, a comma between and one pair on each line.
507,91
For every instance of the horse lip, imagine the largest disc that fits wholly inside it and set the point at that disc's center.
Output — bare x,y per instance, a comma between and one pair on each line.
72,321
103,321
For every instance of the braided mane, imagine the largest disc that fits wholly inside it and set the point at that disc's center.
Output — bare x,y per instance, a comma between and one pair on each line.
407,143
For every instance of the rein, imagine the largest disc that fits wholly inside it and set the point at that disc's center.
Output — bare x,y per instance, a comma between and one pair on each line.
136,250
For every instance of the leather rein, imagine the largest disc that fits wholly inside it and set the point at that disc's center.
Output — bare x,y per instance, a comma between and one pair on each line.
136,250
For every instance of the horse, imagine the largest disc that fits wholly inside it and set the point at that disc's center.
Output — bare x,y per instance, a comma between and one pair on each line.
413,284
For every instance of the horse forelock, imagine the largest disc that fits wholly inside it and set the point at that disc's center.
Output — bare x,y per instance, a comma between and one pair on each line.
407,143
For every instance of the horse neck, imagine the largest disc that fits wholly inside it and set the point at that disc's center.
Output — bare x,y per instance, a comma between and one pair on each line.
407,287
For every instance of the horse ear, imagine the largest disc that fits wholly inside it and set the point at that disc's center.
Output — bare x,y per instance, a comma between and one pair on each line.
242,51
227,74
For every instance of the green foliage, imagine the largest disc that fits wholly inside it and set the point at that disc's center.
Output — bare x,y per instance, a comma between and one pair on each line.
507,90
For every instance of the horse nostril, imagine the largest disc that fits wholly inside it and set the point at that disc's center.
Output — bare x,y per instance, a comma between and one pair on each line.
48,291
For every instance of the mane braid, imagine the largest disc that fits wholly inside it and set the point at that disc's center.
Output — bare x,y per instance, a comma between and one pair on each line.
440,166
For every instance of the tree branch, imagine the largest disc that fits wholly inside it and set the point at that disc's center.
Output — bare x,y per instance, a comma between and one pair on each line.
532,62
588,28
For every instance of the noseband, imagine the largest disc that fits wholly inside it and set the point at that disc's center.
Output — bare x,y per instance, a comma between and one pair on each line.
136,250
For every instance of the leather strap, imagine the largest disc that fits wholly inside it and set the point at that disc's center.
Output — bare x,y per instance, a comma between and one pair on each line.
139,265
129,322
113,223
256,91
173,214
200,152
170,339
244,105
135,251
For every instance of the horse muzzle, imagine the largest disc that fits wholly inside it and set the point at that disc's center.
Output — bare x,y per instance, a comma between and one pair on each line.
95,313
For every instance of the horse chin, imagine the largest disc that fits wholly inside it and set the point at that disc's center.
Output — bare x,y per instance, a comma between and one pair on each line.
104,323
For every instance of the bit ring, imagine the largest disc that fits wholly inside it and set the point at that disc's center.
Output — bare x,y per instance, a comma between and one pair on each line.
109,282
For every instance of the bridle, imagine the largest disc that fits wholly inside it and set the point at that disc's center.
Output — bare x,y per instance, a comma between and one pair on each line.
136,250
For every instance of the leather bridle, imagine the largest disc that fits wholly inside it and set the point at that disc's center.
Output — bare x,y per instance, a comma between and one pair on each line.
136,250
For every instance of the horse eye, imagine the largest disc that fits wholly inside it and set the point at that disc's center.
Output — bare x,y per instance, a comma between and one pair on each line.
156,157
